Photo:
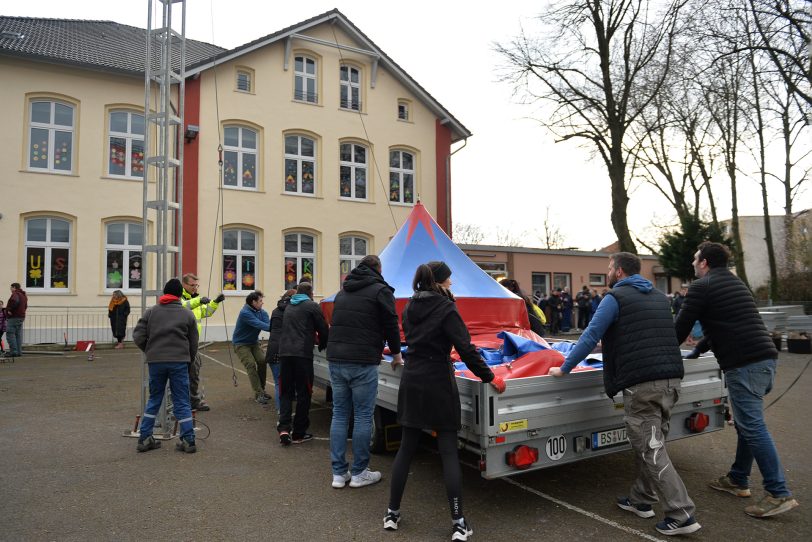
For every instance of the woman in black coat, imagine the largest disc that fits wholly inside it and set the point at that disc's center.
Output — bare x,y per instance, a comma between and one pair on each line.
428,397
117,311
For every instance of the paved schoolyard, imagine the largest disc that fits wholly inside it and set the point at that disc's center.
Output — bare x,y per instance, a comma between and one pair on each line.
67,473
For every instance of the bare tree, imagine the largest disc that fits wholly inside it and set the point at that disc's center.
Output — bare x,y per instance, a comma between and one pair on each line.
467,234
785,31
551,237
590,59
508,238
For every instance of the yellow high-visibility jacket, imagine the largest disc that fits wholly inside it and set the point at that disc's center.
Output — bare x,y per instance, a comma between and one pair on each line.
200,311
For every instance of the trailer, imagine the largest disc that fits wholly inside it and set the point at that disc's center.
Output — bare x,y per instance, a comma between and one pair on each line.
539,421
543,421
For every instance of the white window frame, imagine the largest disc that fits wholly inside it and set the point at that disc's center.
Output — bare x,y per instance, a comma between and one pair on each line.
300,159
241,150
305,77
601,281
546,289
354,166
240,253
48,245
401,172
52,128
347,85
128,250
129,137
352,259
299,256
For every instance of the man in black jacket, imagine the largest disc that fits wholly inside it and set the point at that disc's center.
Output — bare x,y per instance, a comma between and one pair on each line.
641,359
364,319
303,321
747,355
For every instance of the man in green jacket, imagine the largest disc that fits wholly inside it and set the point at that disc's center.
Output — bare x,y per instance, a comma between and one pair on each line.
201,307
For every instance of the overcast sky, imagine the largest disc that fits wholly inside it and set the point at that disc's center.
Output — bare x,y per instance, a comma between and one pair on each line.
511,169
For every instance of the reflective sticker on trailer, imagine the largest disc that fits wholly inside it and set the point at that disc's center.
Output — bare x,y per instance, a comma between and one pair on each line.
513,425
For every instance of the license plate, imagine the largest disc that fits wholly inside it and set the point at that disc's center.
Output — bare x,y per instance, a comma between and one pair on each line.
612,437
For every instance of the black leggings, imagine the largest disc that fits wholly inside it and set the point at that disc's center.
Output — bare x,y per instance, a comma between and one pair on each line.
452,474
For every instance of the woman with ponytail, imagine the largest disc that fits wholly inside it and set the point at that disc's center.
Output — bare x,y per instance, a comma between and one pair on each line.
428,396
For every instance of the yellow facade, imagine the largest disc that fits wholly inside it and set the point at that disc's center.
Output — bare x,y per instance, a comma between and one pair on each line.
88,197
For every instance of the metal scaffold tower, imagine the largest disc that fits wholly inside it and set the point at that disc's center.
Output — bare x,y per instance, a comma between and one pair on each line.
164,89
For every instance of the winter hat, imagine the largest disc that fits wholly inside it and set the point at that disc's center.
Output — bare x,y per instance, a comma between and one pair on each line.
440,271
173,287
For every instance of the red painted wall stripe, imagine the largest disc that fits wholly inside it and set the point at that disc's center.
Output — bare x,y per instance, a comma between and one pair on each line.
442,152
191,159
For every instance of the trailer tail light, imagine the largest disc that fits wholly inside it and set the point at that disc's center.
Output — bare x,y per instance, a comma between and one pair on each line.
482,465
697,422
522,456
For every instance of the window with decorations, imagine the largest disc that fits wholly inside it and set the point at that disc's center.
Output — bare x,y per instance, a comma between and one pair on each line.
239,157
352,171
123,242
300,259
126,145
47,253
401,177
351,250
300,165
239,260
51,137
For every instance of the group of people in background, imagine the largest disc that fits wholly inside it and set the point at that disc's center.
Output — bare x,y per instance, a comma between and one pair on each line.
558,308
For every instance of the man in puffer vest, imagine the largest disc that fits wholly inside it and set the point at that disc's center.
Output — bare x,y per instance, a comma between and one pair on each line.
201,307
724,306
641,358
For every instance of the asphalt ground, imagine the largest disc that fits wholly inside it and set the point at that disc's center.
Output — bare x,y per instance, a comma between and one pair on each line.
67,473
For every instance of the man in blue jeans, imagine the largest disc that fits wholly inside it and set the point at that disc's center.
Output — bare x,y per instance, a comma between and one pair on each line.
364,318
167,334
724,306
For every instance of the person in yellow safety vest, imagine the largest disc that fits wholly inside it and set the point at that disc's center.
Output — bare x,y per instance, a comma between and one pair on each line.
201,307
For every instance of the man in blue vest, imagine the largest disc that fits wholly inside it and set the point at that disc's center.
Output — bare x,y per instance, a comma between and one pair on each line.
641,358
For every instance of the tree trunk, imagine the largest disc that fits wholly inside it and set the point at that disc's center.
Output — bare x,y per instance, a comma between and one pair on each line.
620,203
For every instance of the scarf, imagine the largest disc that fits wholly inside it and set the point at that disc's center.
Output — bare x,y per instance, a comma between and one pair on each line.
167,298
116,302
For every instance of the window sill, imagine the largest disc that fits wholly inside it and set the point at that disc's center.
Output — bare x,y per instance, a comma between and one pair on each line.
355,200
46,172
399,204
301,195
406,121
350,110
40,291
242,189
249,92
303,102
116,178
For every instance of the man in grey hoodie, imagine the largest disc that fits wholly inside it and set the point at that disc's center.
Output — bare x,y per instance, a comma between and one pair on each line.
167,334
641,358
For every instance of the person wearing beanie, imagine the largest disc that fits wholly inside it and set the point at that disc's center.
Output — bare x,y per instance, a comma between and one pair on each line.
428,397
167,334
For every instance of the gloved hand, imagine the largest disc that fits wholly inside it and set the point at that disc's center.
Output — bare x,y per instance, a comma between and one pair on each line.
220,298
204,300
693,354
498,384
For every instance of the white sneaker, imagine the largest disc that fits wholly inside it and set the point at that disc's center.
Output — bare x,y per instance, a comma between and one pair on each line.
366,478
340,480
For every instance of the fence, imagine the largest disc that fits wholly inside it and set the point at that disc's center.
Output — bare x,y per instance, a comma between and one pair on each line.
66,325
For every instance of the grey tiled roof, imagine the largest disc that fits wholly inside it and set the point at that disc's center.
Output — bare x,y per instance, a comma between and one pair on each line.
100,45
